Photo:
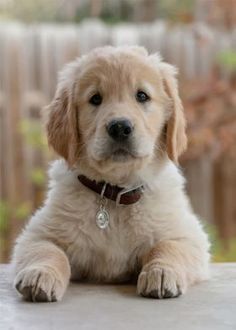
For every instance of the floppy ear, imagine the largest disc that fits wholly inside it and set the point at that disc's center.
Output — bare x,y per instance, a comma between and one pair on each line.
62,125
176,139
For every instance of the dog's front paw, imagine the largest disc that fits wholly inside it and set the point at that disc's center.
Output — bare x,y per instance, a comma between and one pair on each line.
39,284
160,282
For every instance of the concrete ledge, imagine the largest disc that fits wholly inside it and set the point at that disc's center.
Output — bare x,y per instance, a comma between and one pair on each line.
209,305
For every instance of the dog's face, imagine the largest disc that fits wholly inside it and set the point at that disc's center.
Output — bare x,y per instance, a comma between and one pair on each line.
111,109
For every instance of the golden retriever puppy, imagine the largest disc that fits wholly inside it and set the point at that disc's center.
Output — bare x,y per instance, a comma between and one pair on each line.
116,209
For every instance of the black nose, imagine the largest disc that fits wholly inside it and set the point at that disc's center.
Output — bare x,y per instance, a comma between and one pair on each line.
119,129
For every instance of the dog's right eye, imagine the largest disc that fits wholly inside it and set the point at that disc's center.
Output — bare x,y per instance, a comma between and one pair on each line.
142,97
96,99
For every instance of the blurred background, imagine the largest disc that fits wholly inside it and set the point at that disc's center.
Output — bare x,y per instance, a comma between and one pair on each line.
199,36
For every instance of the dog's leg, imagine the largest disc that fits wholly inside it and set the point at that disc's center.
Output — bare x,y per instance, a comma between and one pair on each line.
42,270
170,267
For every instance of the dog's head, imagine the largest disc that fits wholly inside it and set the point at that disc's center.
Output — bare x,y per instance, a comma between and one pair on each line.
116,109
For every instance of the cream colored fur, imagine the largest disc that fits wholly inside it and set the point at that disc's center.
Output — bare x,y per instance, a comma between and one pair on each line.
159,240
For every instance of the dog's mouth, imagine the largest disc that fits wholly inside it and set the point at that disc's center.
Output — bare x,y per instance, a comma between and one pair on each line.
118,152
121,154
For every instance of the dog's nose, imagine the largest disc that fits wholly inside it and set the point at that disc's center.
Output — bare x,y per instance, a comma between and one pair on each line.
119,129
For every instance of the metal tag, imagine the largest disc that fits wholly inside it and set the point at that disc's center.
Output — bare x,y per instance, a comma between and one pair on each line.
102,218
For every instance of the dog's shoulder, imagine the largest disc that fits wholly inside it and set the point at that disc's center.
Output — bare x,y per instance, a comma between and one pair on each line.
170,176
60,174
163,176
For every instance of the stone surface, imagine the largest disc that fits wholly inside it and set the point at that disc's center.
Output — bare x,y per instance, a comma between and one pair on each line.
210,305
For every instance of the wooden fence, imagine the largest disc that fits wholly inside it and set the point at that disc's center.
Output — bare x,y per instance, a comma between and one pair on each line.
31,56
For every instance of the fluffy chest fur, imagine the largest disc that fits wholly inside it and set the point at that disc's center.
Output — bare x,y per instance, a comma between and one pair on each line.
68,219
93,252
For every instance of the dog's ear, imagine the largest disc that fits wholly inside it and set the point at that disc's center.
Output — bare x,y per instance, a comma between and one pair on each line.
176,139
61,121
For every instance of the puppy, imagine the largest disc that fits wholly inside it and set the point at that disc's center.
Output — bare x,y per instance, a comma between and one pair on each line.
116,209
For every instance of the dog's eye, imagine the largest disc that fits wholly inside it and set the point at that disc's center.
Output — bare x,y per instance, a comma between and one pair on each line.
96,99
142,97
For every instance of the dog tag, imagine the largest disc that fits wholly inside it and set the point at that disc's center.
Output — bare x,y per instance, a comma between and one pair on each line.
102,218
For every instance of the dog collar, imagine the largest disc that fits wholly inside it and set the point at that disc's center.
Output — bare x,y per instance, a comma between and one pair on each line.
115,193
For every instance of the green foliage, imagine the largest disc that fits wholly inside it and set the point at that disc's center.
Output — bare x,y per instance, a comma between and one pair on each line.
221,252
228,59
38,177
31,11
111,11
32,133
225,254
175,10
4,216
22,211
111,15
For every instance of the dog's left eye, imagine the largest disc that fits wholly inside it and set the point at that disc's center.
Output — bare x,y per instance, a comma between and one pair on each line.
142,97
96,99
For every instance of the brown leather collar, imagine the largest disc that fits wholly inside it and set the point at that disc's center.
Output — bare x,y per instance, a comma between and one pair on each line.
118,194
